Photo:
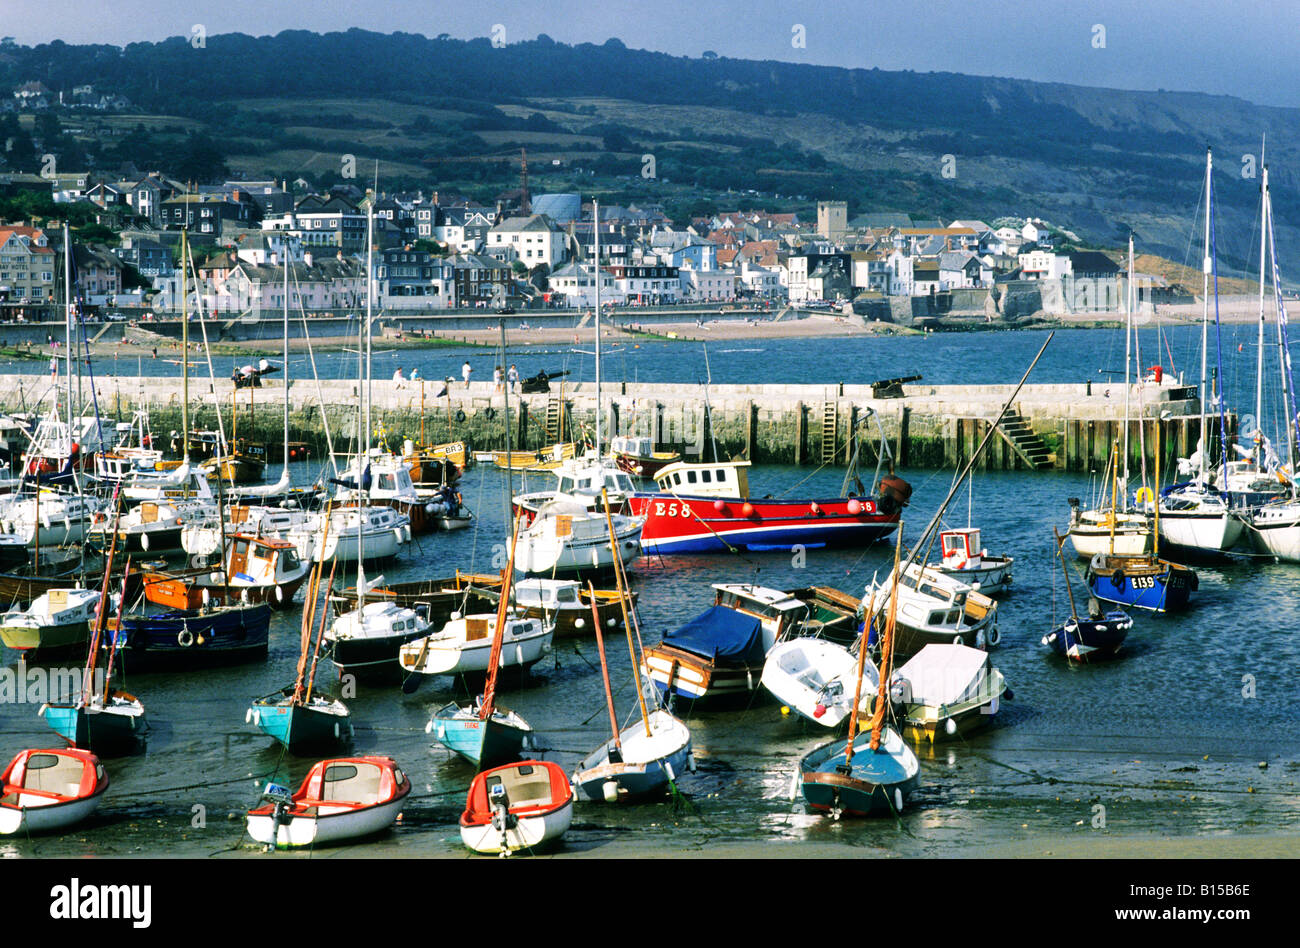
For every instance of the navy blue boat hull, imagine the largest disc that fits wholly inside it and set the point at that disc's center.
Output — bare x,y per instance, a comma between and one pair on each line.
182,640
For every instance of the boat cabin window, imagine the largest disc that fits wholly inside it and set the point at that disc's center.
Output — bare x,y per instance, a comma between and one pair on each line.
722,474
567,594
387,482
677,478
288,559
690,477
706,476
351,782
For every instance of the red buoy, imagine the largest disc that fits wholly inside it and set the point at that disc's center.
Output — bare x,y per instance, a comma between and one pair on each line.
854,507
748,509
719,506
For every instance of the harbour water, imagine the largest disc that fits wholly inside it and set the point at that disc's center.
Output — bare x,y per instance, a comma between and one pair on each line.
1166,741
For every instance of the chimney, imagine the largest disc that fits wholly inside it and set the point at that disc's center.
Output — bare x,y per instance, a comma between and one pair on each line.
435,197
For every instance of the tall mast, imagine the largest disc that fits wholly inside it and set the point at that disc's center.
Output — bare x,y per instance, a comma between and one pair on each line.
595,213
1259,347
1128,359
510,480
1205,315
67,320
363,385
284,250
1284,358
185,358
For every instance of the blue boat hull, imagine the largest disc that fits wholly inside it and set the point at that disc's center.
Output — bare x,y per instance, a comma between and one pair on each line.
182,640
1090,640
1166,591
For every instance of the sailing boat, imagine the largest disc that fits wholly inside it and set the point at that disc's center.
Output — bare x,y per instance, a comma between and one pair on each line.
874,770
1121,531
1143,580
294,716
646,756
1274,527
1087,640
1196,516
106,722
482,733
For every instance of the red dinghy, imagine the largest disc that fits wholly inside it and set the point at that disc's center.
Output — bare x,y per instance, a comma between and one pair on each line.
46,790
517,806
343,798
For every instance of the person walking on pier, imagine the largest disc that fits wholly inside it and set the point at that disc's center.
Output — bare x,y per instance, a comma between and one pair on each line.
496,379
512,378
398,377
465,372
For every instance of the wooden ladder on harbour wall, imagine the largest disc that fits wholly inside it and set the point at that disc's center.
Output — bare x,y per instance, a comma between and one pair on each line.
555,418
1028,446
830,425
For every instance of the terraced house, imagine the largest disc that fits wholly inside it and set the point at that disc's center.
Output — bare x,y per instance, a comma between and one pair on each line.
27,264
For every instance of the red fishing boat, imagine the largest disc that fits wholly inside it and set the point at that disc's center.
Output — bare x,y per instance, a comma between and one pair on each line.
707,508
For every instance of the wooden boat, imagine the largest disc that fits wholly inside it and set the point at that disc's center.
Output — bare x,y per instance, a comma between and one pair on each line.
873,771
643,758
707,508
565,605
187,639
965,559
815,678
522,805
485,735
436,464
57,622
638,457
1093,639
543,459
1144,582
48,790
722,651
341,799
946,690
258,569
466,645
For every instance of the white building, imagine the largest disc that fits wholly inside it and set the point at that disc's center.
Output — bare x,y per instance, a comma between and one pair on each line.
532,240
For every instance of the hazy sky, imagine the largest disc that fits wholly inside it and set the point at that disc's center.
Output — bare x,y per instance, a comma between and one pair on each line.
1194,45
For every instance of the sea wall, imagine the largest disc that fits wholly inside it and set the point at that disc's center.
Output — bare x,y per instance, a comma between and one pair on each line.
1065,426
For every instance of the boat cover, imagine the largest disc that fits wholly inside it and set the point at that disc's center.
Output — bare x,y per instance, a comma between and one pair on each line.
945,674
721,634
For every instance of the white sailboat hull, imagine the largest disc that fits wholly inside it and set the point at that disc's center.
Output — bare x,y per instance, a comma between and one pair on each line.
1211,531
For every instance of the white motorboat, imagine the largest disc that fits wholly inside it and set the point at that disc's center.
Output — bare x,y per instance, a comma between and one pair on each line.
817,679
965,559
369,638
566,539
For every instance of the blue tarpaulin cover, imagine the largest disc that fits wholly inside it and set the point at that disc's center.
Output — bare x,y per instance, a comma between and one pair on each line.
721,634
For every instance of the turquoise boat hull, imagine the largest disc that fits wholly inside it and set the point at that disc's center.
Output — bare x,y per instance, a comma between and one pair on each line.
299,728
502,739
104,734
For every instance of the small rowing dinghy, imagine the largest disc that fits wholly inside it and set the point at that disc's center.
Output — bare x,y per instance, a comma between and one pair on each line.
46,790
523,805
341,799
